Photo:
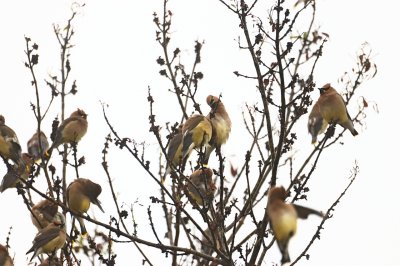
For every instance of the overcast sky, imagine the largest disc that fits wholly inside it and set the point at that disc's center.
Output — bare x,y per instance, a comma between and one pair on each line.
114,62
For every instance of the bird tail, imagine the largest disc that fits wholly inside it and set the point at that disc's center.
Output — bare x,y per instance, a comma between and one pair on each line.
354,132
314,139
283,247
82,225
285,257
34,253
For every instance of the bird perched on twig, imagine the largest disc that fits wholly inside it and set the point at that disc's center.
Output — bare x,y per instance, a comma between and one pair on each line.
5,259
330,108
201,187
197,132
80,193
283,217
37,145
71,129
17,171
221,123
51,238
43,213
9,144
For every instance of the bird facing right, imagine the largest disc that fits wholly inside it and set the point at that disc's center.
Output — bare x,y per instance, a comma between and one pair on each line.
71,129
80,193
329,108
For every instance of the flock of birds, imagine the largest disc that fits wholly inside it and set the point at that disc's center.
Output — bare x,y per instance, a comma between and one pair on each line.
198,132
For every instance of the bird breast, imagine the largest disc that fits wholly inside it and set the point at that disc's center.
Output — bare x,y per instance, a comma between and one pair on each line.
285,226
222,129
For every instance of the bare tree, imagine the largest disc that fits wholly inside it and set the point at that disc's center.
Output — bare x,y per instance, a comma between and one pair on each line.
191,225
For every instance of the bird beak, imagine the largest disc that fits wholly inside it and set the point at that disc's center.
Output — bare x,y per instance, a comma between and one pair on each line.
321,90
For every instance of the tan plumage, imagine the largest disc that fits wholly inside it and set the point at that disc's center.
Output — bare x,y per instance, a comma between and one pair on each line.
283,217
80,193
17,171
9,144
37,145
5,259
201,187
50,238
330,108
71,129
197,132
43,213
220,121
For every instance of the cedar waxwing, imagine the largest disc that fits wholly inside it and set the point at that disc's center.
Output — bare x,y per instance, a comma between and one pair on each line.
80,193
5,259
50,238
220,121
197,132
43,213
283,217
11,178
71,129
9,144
38,148
201,188
174,152
330,108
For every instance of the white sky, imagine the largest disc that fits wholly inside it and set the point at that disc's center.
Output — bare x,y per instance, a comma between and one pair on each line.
114,62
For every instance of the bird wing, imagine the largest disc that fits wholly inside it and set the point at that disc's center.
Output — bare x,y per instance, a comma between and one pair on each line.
192,122
45,236
174,145
344,103
304,212
9,179
8,134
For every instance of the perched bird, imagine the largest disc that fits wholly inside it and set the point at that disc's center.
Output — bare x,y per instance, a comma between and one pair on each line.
329,108
283,217
50,238
221,123
71,129
5,259
201,187
80,193
174,152
38,145
43,213
9,144
197,132
17,171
